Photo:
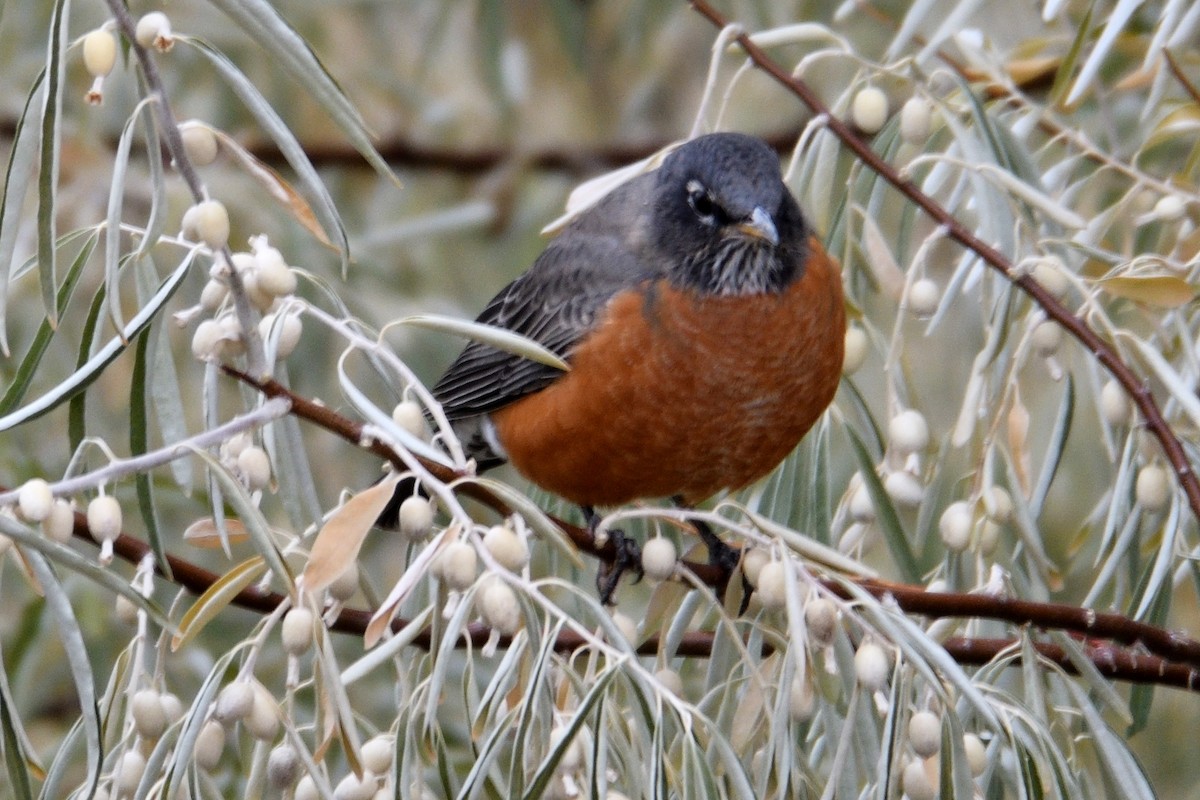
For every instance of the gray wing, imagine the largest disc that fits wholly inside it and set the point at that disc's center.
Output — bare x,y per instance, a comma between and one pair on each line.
556,303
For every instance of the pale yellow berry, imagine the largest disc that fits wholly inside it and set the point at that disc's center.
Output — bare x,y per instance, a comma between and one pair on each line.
457,565
416,517
753,560
377,754
199,142
209,745
917,785
212,223
149,718
352,787
187,224
296,631
345,585
772,585
307,789
856,350
801,700
923,297
507,547
976,754
955,526
283,767
275,277
573,756
35,501
1050,272
99,52
908,432
128,772
234,445
925,733
915,117
989,537
263,720
126,610
998,505
59,524
408,416
658,558
1047,337
1153,488
869,110
213,294
871,666
234,702
904,488
1115,405
104,518
861,506
1169,208
154,30
208,340
172,707
670,681
821,619
289,327
255,467
500,608
626,625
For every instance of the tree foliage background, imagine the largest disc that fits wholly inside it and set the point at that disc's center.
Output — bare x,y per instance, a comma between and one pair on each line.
1061,133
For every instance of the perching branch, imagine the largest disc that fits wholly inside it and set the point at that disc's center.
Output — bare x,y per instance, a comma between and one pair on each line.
1139,662
1134,386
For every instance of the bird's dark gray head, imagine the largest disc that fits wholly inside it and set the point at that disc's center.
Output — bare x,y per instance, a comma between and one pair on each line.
725,221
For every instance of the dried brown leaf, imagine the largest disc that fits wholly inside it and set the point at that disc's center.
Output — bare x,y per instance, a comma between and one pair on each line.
275,186
340,538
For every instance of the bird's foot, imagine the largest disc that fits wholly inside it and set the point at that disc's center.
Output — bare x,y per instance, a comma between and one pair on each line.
628,558
720,555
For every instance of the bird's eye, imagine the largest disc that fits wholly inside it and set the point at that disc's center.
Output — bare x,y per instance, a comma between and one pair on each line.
702,203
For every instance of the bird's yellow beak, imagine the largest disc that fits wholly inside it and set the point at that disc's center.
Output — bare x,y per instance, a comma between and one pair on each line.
759,226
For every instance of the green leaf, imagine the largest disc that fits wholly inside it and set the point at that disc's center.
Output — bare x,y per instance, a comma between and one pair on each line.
22,160
50,159
885,513
139,434
1054,452
77,658
491,335
45,332
216,598
278,130
90,367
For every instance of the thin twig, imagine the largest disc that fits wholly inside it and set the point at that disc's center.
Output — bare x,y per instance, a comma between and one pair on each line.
255,354
1135,387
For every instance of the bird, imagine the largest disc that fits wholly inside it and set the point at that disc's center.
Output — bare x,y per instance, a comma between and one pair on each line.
703,324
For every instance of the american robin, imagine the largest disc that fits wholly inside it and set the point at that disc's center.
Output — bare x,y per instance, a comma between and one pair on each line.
703,324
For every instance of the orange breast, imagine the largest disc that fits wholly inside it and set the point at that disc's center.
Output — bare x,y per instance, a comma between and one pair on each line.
676,393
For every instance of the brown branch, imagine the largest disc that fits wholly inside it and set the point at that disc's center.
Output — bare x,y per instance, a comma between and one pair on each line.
405,153
1116,662
912,599
1152,655
1120,663
1134,386
550,158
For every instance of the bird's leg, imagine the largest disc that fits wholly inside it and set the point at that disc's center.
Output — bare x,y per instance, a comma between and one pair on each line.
720,555
629,557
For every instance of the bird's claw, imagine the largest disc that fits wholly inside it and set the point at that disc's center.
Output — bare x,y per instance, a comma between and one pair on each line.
628,559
